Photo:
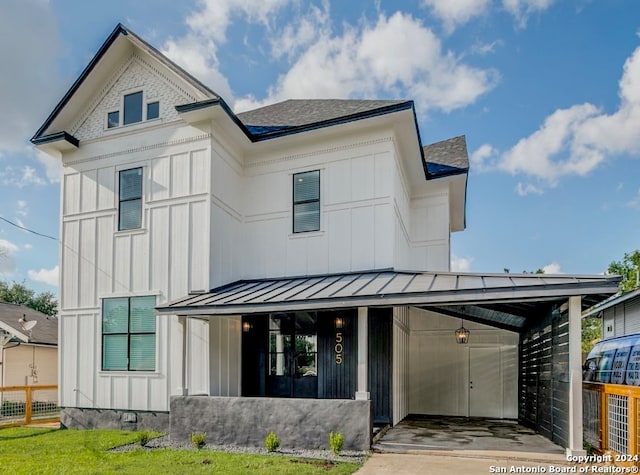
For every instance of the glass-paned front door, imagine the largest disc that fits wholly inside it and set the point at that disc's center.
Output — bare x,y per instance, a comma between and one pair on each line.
293,355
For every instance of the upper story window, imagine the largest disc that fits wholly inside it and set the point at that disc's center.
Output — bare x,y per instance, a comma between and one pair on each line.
129,334
130,199
306,201
134,110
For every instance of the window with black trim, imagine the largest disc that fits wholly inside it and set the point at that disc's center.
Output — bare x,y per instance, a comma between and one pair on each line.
130,199
129,334
306,201
132,108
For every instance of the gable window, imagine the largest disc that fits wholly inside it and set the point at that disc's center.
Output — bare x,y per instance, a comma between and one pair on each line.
132,108
153,110
113,119
130,202
306,201
129,334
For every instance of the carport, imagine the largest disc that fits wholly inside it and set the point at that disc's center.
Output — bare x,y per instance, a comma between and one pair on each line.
362,329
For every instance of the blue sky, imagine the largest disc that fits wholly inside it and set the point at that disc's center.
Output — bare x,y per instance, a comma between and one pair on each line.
546,91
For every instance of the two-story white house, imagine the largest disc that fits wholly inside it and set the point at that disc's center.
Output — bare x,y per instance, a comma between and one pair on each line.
283,269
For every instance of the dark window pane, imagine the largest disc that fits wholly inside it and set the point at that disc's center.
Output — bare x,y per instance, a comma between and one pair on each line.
131,184
133,108
113,119
115,313
153,110
306,186
114,352
130,214
142,317
142,352
306,217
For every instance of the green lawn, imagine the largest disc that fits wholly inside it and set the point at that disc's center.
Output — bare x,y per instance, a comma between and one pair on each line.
51,451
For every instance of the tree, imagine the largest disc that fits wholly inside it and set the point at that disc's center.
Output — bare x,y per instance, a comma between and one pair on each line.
628,269
19,293
591,333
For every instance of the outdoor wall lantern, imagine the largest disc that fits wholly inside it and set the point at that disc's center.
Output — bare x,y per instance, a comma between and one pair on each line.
246,327
462,334
339,322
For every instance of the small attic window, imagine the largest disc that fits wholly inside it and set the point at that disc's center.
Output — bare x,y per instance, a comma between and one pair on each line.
132,108
113,119
153,110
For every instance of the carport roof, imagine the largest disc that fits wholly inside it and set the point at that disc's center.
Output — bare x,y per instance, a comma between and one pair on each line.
506,300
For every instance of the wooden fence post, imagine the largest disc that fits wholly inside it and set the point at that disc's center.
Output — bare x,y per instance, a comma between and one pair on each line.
27,406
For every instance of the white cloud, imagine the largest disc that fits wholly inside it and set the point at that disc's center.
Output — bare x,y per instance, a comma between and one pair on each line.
302,32
522,9
52,166
197,51
47,276
22,209
553,268
28,92
460,264
364,61
635,201
524,189
7,257
27,246
576,140
459,12
485,48
22,177
482,157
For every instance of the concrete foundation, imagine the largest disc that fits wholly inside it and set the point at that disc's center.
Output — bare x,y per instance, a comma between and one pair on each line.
301,423
79,418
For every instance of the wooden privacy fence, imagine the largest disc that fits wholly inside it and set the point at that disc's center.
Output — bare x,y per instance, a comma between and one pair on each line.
611,417
21,405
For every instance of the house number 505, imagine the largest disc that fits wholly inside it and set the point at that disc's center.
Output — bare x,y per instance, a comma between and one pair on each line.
338,348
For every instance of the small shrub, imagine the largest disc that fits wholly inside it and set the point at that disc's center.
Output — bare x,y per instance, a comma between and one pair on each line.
143,437
271,442
336,441
199,439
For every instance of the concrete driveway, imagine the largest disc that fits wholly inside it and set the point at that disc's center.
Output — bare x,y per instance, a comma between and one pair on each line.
460,445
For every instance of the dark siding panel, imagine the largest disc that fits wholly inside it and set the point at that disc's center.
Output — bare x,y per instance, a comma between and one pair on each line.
337,381
380,335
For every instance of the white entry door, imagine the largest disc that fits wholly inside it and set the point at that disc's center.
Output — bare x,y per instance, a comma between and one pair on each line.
485,383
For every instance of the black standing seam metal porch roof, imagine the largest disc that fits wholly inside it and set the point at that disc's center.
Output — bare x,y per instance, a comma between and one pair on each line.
507,301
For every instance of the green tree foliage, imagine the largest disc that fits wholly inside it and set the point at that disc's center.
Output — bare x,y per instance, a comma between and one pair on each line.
19,293
591,333
628,269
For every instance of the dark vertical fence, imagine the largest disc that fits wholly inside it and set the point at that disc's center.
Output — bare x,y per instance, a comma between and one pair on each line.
544,377
380,359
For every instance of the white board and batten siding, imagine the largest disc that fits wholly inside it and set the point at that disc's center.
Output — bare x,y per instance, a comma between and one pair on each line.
166,257
400,386
478,379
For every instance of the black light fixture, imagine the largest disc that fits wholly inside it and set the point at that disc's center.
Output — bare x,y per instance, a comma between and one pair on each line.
462,334
246,327
339,323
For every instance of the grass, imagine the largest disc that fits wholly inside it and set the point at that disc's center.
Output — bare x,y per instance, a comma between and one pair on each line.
55,451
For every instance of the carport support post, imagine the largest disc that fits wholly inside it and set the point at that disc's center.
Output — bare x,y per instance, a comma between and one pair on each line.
575,377
362,391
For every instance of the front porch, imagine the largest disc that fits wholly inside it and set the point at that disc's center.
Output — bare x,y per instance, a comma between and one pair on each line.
297,355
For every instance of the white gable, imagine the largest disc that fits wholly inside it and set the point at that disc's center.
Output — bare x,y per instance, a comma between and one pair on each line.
136,74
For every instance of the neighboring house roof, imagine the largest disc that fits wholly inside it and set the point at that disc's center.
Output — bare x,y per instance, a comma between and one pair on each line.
45,332
508,300
610,302
448,157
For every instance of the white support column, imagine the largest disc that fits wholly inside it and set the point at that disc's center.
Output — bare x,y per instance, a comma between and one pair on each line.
184,328
575,377
362,391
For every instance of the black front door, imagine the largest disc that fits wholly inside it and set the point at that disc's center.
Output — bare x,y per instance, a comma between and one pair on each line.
293,355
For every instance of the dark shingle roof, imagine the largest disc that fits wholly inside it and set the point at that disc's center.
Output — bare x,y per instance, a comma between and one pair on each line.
300,112
448,157
46,330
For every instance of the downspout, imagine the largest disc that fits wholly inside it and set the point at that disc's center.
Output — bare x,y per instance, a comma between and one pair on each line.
183,382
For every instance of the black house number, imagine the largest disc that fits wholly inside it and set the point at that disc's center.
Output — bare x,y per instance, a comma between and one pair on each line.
338,348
